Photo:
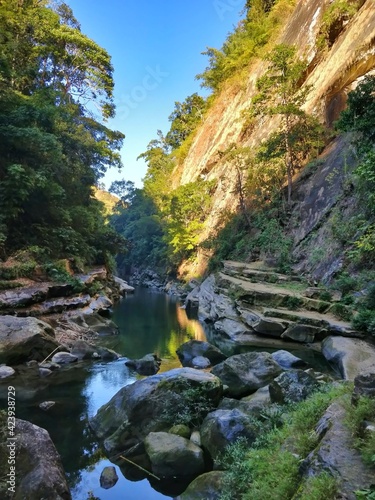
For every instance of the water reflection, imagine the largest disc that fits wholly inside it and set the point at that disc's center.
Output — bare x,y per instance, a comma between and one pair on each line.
148,322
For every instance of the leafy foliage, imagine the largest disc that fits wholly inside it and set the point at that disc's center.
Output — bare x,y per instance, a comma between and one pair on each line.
53,149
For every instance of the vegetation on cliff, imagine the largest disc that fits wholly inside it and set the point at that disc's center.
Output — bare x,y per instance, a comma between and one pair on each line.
56,92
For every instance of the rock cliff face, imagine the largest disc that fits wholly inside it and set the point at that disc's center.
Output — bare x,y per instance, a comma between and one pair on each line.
332,73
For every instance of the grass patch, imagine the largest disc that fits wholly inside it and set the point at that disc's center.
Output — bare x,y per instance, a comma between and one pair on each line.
319,487
270,468
356,414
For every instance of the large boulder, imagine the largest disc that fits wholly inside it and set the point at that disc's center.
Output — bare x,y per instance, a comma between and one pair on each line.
351,356
210,303
123,286
171,455
153,405
246,373
24,339
194,348
364,385
148,365
292,387
96,323
221,428
287,360
207,486
38,470
250,405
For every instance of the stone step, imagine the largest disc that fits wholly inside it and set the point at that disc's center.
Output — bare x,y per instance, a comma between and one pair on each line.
323,321
257,272
265,294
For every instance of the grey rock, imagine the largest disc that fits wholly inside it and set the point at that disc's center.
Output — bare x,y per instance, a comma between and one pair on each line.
292,387
23,297
108,477
148,365
287,360
123,286
336,454
231,328
221,428
194,348
64,358
24,339
211,304
100,304
196,438
266,326
351,356
45,372
6,371
246,373
171,455
249,405
146,406
82,350
47,405
39,470
200,362
364,385
301,333
208,486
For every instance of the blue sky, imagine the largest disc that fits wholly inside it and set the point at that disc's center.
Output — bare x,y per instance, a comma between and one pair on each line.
156,52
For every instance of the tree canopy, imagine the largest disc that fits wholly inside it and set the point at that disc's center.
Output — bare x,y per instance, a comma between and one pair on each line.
56,91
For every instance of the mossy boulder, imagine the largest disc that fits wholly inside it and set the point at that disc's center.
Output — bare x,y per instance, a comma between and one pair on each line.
154,404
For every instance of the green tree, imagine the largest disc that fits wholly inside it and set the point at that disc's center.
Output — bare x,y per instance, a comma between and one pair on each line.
280,93
53,148
184,120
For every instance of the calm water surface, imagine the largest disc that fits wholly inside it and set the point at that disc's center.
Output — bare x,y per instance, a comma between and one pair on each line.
148,322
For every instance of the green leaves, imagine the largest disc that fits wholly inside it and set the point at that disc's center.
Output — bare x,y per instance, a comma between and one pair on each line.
52,148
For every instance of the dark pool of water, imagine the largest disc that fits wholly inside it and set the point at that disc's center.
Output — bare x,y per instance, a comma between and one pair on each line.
148,322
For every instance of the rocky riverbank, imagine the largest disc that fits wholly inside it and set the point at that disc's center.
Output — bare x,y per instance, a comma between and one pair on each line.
46,328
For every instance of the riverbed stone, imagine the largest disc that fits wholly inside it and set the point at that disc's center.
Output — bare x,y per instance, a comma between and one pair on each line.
351,356
246,373
180,430
150,404
207,486
108,477
249,405
200,362
24,339
301,333
171,455
271,327
82,349
123,286
287,360
292,387
232,328
47,405
64,358
148,365
194,348
39,472
221,428
6,371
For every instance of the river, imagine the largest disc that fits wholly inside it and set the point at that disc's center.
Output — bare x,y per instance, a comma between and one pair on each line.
148,322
